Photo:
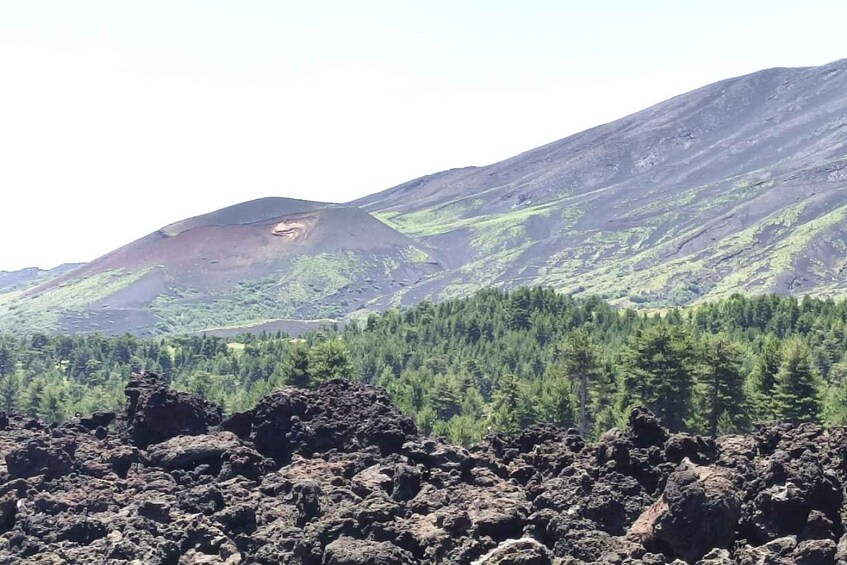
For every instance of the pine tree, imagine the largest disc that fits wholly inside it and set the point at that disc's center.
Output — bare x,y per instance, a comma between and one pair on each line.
526,408
297,371
503,417
425,420
7,358
165,362
51,405
519,305
581,362
445,400
557,404
605,408
202,385
329,360
722,384
764,377
659,373
835,404
798,385
33,398
463,430
10,391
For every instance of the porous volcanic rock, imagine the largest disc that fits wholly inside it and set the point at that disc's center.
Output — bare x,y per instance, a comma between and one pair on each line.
337,475
343,416
697,511
155,413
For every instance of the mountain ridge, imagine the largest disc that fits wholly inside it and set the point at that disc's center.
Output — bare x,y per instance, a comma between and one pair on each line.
736,186
370,200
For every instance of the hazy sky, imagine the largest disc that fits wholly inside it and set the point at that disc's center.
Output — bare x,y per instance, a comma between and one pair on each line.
119,117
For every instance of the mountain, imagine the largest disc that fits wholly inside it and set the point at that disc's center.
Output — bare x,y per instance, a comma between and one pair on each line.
23,278
736,186
739,185
272,261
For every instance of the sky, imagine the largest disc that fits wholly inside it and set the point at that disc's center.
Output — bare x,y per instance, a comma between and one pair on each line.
118,117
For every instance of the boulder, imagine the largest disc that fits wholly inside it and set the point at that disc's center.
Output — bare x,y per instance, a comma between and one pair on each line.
350,551
697,449
8,511
97,420
42,456
644,428
340,415
716,557
155,413
524,551
187,452
815,552
698,510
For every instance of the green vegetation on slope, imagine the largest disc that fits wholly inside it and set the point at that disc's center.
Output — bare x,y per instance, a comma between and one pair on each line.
42,312
299,291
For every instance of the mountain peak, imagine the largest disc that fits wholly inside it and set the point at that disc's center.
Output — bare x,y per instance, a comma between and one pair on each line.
249,212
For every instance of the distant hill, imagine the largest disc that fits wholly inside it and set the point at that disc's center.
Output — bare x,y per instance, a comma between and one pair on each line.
736,186
272,261
23,278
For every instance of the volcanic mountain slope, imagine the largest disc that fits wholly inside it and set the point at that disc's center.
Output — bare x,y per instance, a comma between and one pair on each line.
336,476
739,185
269,259
736,186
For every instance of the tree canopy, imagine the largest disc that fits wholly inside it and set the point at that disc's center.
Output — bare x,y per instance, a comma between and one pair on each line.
495,361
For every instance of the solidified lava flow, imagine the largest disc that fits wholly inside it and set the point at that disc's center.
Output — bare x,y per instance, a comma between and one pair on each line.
337,475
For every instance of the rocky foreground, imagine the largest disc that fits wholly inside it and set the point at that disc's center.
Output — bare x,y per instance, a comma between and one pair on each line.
338,476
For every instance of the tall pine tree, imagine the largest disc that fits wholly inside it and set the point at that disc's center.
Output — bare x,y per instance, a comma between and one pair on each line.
581,362
296,370
329,360
797,396
722,384
659,373
763,378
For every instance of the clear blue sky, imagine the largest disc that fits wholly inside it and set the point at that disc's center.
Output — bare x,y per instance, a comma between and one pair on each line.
118,117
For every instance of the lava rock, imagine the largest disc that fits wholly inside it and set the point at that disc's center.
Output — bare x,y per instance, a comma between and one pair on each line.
698,511
340,415
338,475
524,551
154,413
97,420
187,452
645,429
349,551
41,457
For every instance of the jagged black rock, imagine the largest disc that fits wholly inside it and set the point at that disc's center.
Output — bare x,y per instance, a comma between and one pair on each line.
337,475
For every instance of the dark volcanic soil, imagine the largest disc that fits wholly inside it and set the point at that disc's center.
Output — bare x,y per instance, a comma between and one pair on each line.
338,476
